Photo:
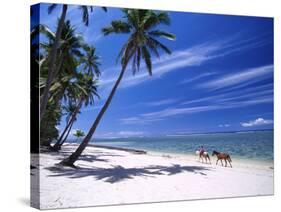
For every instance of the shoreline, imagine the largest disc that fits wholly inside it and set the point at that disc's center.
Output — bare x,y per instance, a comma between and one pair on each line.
239,160
109,177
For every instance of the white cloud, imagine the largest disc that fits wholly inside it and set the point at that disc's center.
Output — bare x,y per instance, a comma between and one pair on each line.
251,75
160,115
120,134
257,122
198,77
161,102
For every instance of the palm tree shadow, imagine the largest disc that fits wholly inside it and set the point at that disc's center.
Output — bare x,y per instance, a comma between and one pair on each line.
100,156
177,169
119,173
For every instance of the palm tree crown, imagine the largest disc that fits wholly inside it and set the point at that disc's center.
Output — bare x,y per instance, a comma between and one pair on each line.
79,133
141,25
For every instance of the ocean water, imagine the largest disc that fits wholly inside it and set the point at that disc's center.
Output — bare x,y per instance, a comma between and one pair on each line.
256,145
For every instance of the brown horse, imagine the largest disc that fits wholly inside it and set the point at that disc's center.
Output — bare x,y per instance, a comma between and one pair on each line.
222,156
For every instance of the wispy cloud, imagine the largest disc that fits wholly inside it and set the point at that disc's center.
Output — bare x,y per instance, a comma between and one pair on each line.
130,133
121,134
193,56
216,104
251,75
198,77
262,91
256,122
161,102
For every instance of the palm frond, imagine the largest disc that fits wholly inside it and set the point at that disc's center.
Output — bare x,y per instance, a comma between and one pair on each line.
152,19
147,59
138,57
160,45
47,32
160,33
85,15
116,27
163,18
34,31
51,8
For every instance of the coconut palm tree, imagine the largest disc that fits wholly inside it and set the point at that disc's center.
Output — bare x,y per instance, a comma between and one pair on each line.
52,59
141,25
90,61
70,49
85,89
69,110
78,133
67,134
54,50
69,82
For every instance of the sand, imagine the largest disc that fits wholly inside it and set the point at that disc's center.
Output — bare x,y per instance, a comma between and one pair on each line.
108,177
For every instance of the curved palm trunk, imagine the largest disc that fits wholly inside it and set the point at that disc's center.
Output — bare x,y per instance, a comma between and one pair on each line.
73,117
66,136
52,62
74,156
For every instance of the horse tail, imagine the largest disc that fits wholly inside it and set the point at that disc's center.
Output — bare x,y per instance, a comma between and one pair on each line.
229,158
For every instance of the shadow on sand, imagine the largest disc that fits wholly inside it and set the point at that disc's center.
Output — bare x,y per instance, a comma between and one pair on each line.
99,156
120,173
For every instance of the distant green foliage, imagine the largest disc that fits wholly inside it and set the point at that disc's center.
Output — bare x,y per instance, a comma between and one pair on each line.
79,133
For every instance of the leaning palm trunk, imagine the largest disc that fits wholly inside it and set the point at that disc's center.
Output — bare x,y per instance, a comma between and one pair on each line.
73,117
66,136
52,62
74,156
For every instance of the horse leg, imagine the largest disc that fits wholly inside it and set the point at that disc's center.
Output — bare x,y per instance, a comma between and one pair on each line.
229,163
217,161
221,162
225,162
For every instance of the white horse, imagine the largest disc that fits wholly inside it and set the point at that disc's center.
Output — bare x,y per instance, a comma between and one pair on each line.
203,155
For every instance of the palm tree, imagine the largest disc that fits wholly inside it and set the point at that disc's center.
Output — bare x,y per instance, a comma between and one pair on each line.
52,59
141,27
78,133
54,50
71,46
85,89
90,61
69,82
67,134
69,111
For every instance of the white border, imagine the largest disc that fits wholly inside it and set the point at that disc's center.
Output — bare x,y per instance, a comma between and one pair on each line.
14,111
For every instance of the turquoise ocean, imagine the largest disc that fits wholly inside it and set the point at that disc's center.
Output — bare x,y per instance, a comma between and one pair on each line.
253,145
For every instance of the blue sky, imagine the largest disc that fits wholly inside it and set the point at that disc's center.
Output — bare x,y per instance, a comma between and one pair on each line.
219,77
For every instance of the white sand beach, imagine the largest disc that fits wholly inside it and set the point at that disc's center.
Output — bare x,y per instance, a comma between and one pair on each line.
107,176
